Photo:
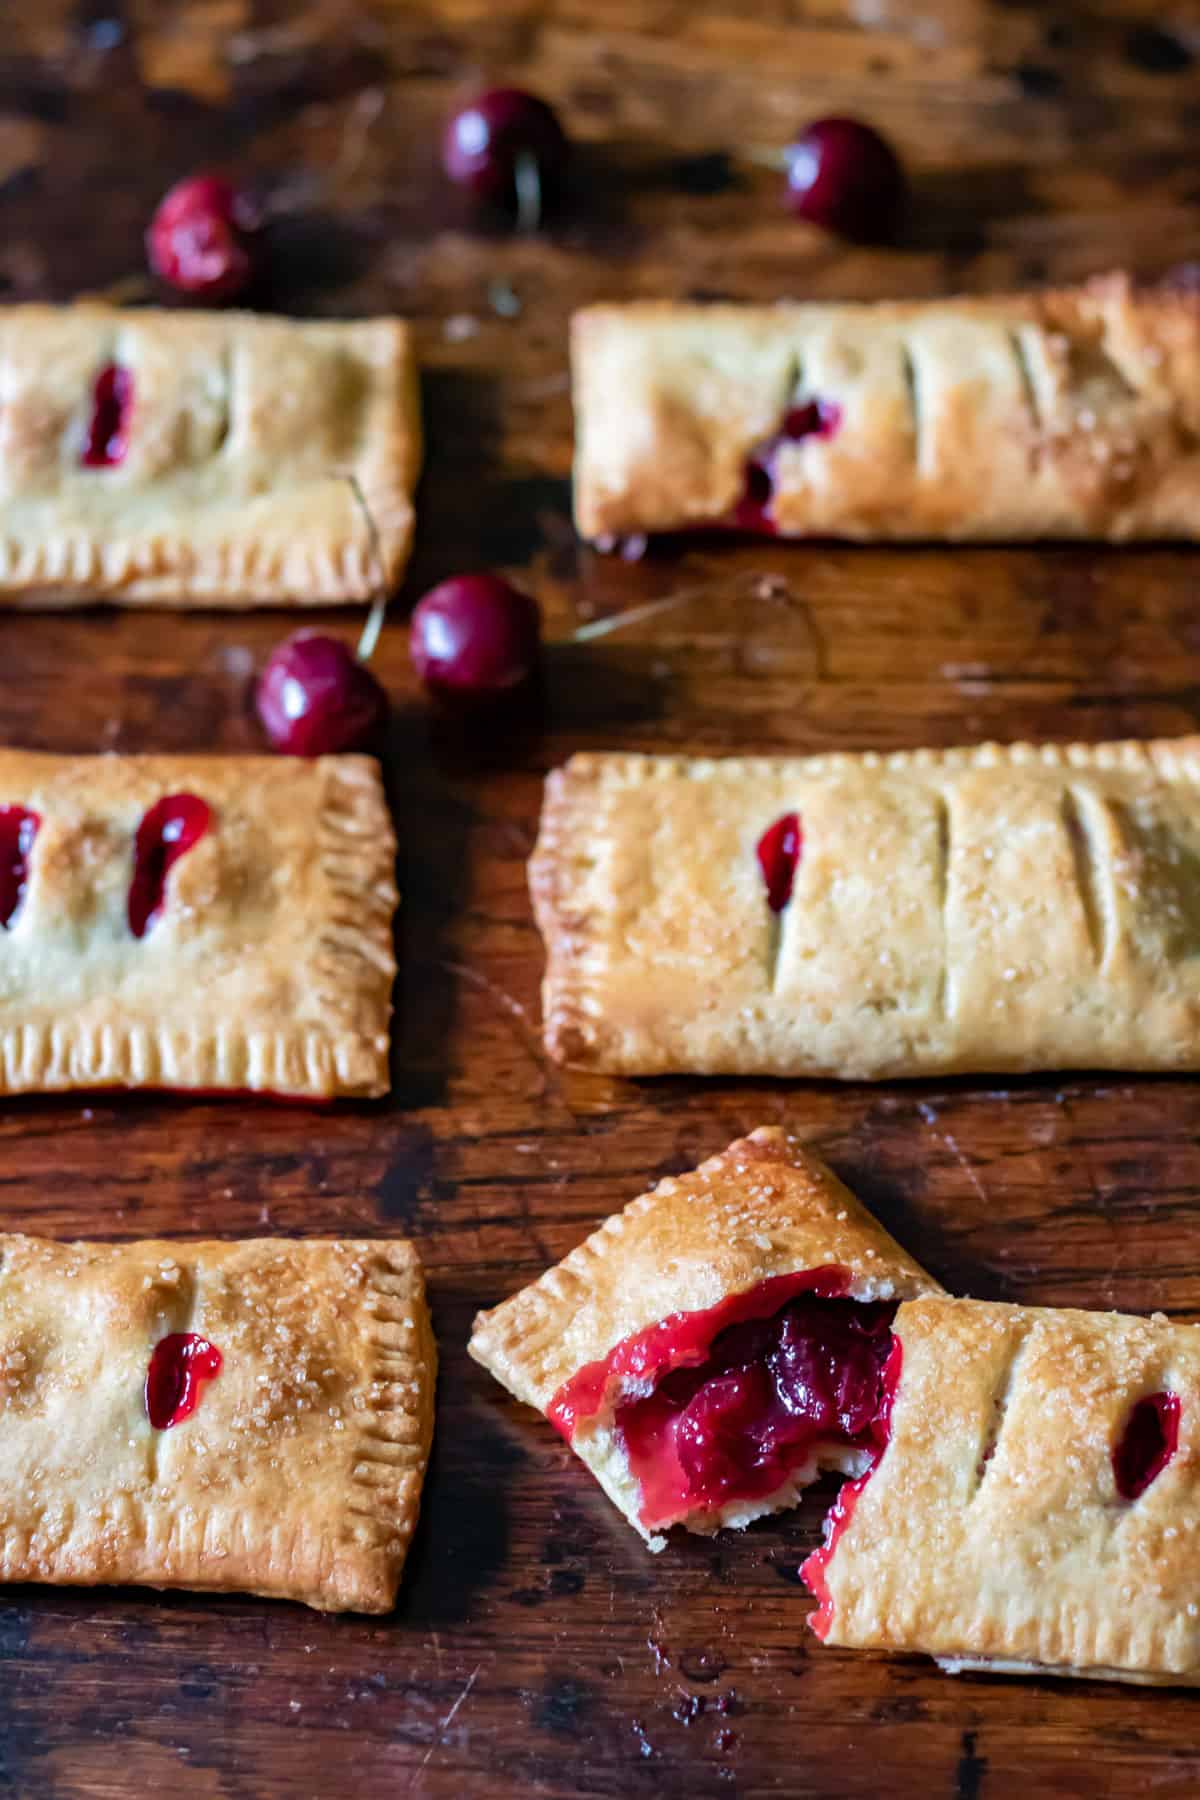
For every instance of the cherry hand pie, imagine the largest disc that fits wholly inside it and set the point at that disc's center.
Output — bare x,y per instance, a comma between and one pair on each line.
1030,906
208,459
1037,415
710,1349
195,922
1036,1503
249,1416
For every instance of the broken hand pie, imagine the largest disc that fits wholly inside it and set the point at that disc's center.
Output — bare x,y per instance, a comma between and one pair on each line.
219,923
249,1417
1036,1508
1000,907
713,1347
1037,415
215,459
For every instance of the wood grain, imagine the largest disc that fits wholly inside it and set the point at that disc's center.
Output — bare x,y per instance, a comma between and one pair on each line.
538,1648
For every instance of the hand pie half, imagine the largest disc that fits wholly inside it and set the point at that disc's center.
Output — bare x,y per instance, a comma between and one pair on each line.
708,1350
1036,1506
248,1416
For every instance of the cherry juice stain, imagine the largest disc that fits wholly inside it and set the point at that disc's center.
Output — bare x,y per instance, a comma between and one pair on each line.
179,1364
168,831
1147,1444
18,829
108,427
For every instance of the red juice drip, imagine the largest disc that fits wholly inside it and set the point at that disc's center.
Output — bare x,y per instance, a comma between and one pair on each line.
108,428
167,831
1147,1444
779,850
812,1570
811,418
18,829
178,1365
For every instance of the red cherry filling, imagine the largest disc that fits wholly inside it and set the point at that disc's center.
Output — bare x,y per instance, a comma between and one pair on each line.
742,1393
168,831
812,1570
18,829
108,427
779,849
809,418
1147,1444
178,1365
200,239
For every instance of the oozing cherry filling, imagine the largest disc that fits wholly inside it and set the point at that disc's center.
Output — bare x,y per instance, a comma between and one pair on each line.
741,1394
178,1365
1147,1444
778,851
167,831
811,418
812,1570
108,428
18,829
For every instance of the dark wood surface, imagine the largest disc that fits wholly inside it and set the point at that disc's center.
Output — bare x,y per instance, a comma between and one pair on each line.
538,1648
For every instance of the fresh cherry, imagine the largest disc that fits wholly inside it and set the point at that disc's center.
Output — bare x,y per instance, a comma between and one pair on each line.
844,176
315,697
508,149
200,238
475,637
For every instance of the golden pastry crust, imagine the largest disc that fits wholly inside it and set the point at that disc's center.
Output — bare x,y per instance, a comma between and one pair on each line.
992,1534
268,461
763,1207
1002,907
299,1473
270,968
1035,415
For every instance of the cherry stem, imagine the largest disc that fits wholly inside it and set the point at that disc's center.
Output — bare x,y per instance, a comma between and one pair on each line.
598,628
375,618
528,182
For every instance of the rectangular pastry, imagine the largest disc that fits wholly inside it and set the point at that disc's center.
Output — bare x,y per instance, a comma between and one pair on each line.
1036,1507
249,1416
1072,414
209,459
713,1347
1030,906
201,922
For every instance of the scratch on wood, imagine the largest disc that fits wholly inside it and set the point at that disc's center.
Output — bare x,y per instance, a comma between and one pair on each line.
444,1725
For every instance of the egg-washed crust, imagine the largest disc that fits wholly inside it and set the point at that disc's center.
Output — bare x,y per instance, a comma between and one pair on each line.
987,908
299,1473
270,967
762,1208
1066,414
991,1532
268,461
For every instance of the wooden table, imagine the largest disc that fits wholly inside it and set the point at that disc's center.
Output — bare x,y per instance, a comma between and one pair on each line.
537,1647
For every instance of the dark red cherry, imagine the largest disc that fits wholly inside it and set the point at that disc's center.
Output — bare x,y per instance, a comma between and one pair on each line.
475,637
314,697
844,176
508,149
200,238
